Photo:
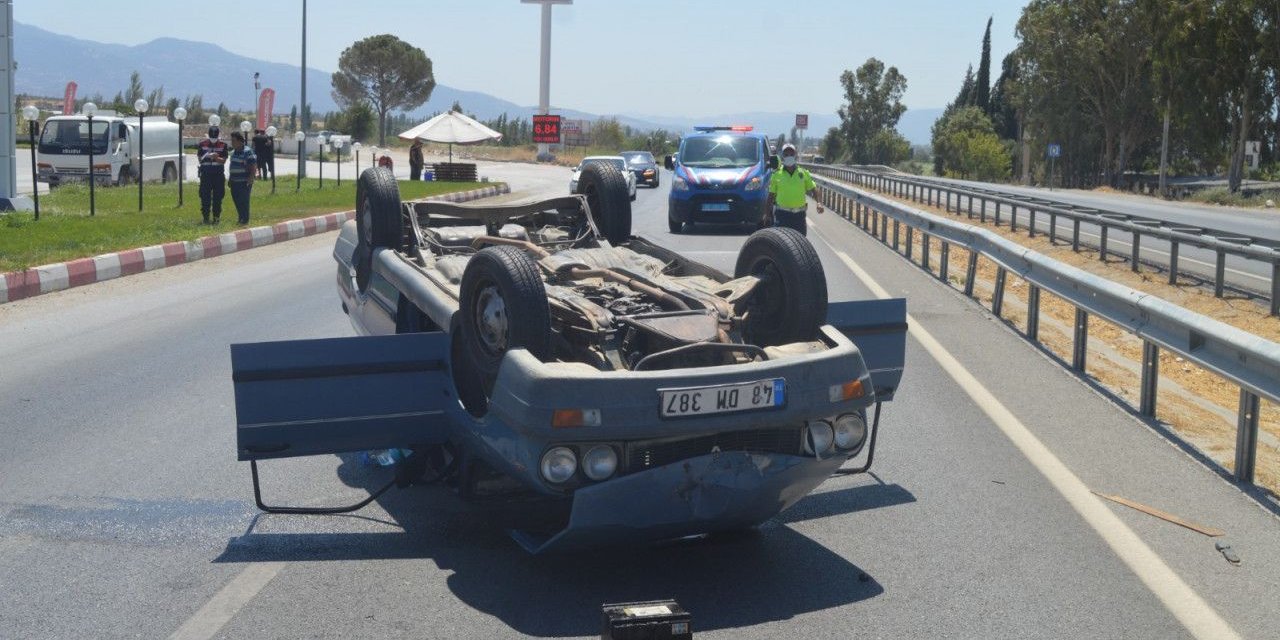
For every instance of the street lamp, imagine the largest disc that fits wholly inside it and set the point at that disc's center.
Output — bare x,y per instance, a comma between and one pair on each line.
301,137
356,148
32,115
321,140
271,133
180,114
141,107
90,109
215,120
337,151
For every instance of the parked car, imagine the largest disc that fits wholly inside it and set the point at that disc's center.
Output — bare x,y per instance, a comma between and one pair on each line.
616,161
538,358
643,166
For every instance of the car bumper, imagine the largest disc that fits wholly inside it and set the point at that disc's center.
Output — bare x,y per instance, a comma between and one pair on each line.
742,208
716,492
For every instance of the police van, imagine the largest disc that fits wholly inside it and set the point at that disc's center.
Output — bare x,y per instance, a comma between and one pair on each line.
65,146
719,175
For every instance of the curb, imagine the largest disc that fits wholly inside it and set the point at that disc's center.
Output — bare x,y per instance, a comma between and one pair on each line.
17,285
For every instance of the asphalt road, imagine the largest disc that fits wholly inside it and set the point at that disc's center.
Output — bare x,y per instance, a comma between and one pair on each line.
123,512
1247,275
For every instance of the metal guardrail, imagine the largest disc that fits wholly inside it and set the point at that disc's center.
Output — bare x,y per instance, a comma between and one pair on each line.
1222,243
1249,361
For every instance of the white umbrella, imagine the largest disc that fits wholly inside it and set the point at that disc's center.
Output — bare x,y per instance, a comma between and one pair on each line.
451,128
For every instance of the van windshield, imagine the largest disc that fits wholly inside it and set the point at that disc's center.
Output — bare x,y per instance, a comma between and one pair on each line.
720,151
72,137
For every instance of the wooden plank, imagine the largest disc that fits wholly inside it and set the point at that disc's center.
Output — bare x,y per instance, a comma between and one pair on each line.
1163,515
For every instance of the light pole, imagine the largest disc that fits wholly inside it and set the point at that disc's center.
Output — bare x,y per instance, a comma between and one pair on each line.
302,106
180,114
141,107
337,152
354,147
301,137
544,85
32,115
321,140
90,109
271,135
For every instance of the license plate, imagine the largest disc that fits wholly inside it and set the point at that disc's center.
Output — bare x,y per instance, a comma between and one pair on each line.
715,206
728,398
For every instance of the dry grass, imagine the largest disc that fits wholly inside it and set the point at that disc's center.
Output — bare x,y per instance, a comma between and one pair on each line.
1197,404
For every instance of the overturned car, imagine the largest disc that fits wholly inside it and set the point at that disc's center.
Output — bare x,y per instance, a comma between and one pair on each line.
596,387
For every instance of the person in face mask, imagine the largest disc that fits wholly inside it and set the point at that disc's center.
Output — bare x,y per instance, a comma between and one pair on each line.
787,190
212,155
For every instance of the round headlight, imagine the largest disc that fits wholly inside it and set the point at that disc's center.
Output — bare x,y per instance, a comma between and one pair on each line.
600,462
818,438
850,430
559,464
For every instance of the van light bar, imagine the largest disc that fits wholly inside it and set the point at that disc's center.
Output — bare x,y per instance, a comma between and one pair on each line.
569,418
847,391
736,127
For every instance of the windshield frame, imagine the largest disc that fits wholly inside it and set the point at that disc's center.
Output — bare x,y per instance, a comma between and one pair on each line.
739,145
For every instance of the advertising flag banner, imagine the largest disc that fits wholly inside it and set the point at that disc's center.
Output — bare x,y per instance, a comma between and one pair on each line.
69,99
266,102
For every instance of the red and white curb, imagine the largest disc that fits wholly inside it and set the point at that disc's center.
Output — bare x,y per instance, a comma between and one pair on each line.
48,278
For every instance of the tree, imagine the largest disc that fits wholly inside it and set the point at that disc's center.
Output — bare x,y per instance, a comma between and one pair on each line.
457,107
967,145
195,108
833,146
982,85
873,102
172,105
359,121
888,147
607,133
135,89
966,96
386,72
1001,109
293,118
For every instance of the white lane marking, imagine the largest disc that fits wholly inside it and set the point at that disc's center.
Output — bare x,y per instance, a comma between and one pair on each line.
224,605
1177,596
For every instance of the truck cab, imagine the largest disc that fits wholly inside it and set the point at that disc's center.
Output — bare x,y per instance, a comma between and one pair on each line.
66,144
720,175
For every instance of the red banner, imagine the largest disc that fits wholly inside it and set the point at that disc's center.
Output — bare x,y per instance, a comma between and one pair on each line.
266,102
546,129
69,99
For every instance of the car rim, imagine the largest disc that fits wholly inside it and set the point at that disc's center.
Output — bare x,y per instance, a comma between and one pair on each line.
491,320
366,219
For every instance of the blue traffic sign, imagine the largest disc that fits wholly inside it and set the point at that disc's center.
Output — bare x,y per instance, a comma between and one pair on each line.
1055,150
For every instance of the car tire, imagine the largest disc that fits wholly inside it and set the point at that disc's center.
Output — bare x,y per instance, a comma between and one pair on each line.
125,178
673,225
378,220
790,303
500,284
169,173
607,194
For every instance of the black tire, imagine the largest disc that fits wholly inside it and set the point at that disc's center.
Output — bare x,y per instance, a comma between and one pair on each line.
169,174
790,303
378,222
673,225
126,177
609,199
500,284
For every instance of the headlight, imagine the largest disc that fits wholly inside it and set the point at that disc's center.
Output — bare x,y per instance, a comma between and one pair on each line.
818,438
679,185
850,431
559,464
600,462
754,183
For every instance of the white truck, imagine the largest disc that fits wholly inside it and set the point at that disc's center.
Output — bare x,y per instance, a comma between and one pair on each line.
64,146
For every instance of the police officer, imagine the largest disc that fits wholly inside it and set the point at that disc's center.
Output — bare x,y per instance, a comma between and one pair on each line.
787,189
212,154
264,148
243,169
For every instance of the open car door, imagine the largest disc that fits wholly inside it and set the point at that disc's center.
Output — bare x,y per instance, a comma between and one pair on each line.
879,329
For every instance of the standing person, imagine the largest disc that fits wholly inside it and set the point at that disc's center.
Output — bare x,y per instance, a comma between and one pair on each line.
415,160
212,153
787,189
264,148
243,170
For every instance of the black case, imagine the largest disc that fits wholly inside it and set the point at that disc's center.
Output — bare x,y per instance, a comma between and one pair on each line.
652,620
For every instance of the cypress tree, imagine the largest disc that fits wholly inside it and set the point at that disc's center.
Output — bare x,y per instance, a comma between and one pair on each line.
982,95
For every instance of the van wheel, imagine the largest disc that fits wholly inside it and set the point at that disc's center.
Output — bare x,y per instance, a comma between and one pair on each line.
170,174
377,220
790,303
503,306
126,177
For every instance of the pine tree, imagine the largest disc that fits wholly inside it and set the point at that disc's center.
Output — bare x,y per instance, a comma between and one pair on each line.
982,94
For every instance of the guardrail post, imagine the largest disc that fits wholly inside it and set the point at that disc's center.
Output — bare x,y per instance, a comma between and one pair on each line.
1080,343
924,250
984,213
970,206
1133,255
1075,235
1013,219
1275,288
970,272
1246,436
857,211
997,298
1053,228
928,194
947,195
884,228
1102,244
1173,262
910,245
1220,274
896,226
1031,223
1033,313
1150,378
946,261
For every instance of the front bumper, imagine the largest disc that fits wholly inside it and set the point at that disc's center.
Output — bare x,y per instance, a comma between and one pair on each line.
748,209
716,492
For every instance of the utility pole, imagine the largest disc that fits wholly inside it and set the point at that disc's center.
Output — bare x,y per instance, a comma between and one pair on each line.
302,108
544,86
9,199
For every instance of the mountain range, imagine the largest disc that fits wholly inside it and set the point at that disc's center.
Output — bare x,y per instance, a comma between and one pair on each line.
47,61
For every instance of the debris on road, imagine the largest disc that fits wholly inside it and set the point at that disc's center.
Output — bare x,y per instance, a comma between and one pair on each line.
1168,517
1227,552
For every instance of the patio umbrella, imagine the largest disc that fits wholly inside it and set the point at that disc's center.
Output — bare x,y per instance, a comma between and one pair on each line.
451,128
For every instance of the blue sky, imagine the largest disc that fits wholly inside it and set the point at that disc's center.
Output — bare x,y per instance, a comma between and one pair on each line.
661,57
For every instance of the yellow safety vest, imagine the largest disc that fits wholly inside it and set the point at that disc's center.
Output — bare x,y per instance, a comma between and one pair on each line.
789,188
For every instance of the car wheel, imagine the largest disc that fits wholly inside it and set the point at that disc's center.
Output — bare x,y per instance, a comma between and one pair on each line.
378,220
126,177
170,174
503,306
673,225
790,303
607,195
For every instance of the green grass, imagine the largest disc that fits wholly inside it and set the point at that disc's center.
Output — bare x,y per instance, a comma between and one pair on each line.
1223,196
65,230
